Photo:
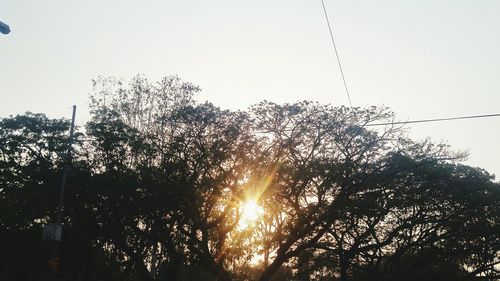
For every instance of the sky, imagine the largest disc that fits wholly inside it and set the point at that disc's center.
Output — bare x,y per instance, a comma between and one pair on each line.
422,59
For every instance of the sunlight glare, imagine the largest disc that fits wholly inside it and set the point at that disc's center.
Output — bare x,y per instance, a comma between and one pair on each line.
250,213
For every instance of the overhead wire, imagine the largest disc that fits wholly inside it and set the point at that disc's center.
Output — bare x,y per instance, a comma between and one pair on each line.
388,123
420,121
336,53
435,120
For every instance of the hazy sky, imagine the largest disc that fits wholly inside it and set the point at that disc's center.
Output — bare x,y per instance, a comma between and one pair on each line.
423,59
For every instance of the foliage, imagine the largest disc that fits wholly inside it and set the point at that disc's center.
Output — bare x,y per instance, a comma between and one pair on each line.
158,181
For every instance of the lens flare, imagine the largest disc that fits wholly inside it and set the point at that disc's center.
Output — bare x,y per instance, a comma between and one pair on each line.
250,213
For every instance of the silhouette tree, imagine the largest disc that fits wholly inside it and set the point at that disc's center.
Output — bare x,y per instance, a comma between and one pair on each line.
354,196
159,182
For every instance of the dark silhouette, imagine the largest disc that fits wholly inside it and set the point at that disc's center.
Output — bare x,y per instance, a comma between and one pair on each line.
157,182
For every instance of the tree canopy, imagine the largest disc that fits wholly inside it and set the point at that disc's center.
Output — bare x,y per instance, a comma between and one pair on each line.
165,188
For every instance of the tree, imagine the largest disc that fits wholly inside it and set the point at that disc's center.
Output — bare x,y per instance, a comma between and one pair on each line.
30,159
191,155
160,183
354,196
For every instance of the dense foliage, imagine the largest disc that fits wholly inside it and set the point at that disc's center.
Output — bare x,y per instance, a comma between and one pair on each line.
157,183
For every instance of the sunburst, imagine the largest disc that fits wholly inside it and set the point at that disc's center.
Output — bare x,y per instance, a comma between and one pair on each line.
250,213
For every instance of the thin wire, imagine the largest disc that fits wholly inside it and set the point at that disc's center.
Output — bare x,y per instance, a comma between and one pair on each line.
336,52
418,121
435,120
387,123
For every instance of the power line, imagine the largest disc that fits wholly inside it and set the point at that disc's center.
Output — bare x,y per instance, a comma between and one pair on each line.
336,52
418,121
435,120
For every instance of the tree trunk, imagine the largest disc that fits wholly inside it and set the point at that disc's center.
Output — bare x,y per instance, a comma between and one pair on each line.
343,269
273,268
217,268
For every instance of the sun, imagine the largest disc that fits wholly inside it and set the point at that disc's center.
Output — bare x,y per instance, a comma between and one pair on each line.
250,212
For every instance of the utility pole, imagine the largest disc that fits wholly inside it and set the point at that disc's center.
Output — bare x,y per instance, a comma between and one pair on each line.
53,231
66,168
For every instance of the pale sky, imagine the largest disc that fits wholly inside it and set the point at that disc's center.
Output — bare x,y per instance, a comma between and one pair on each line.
423,59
